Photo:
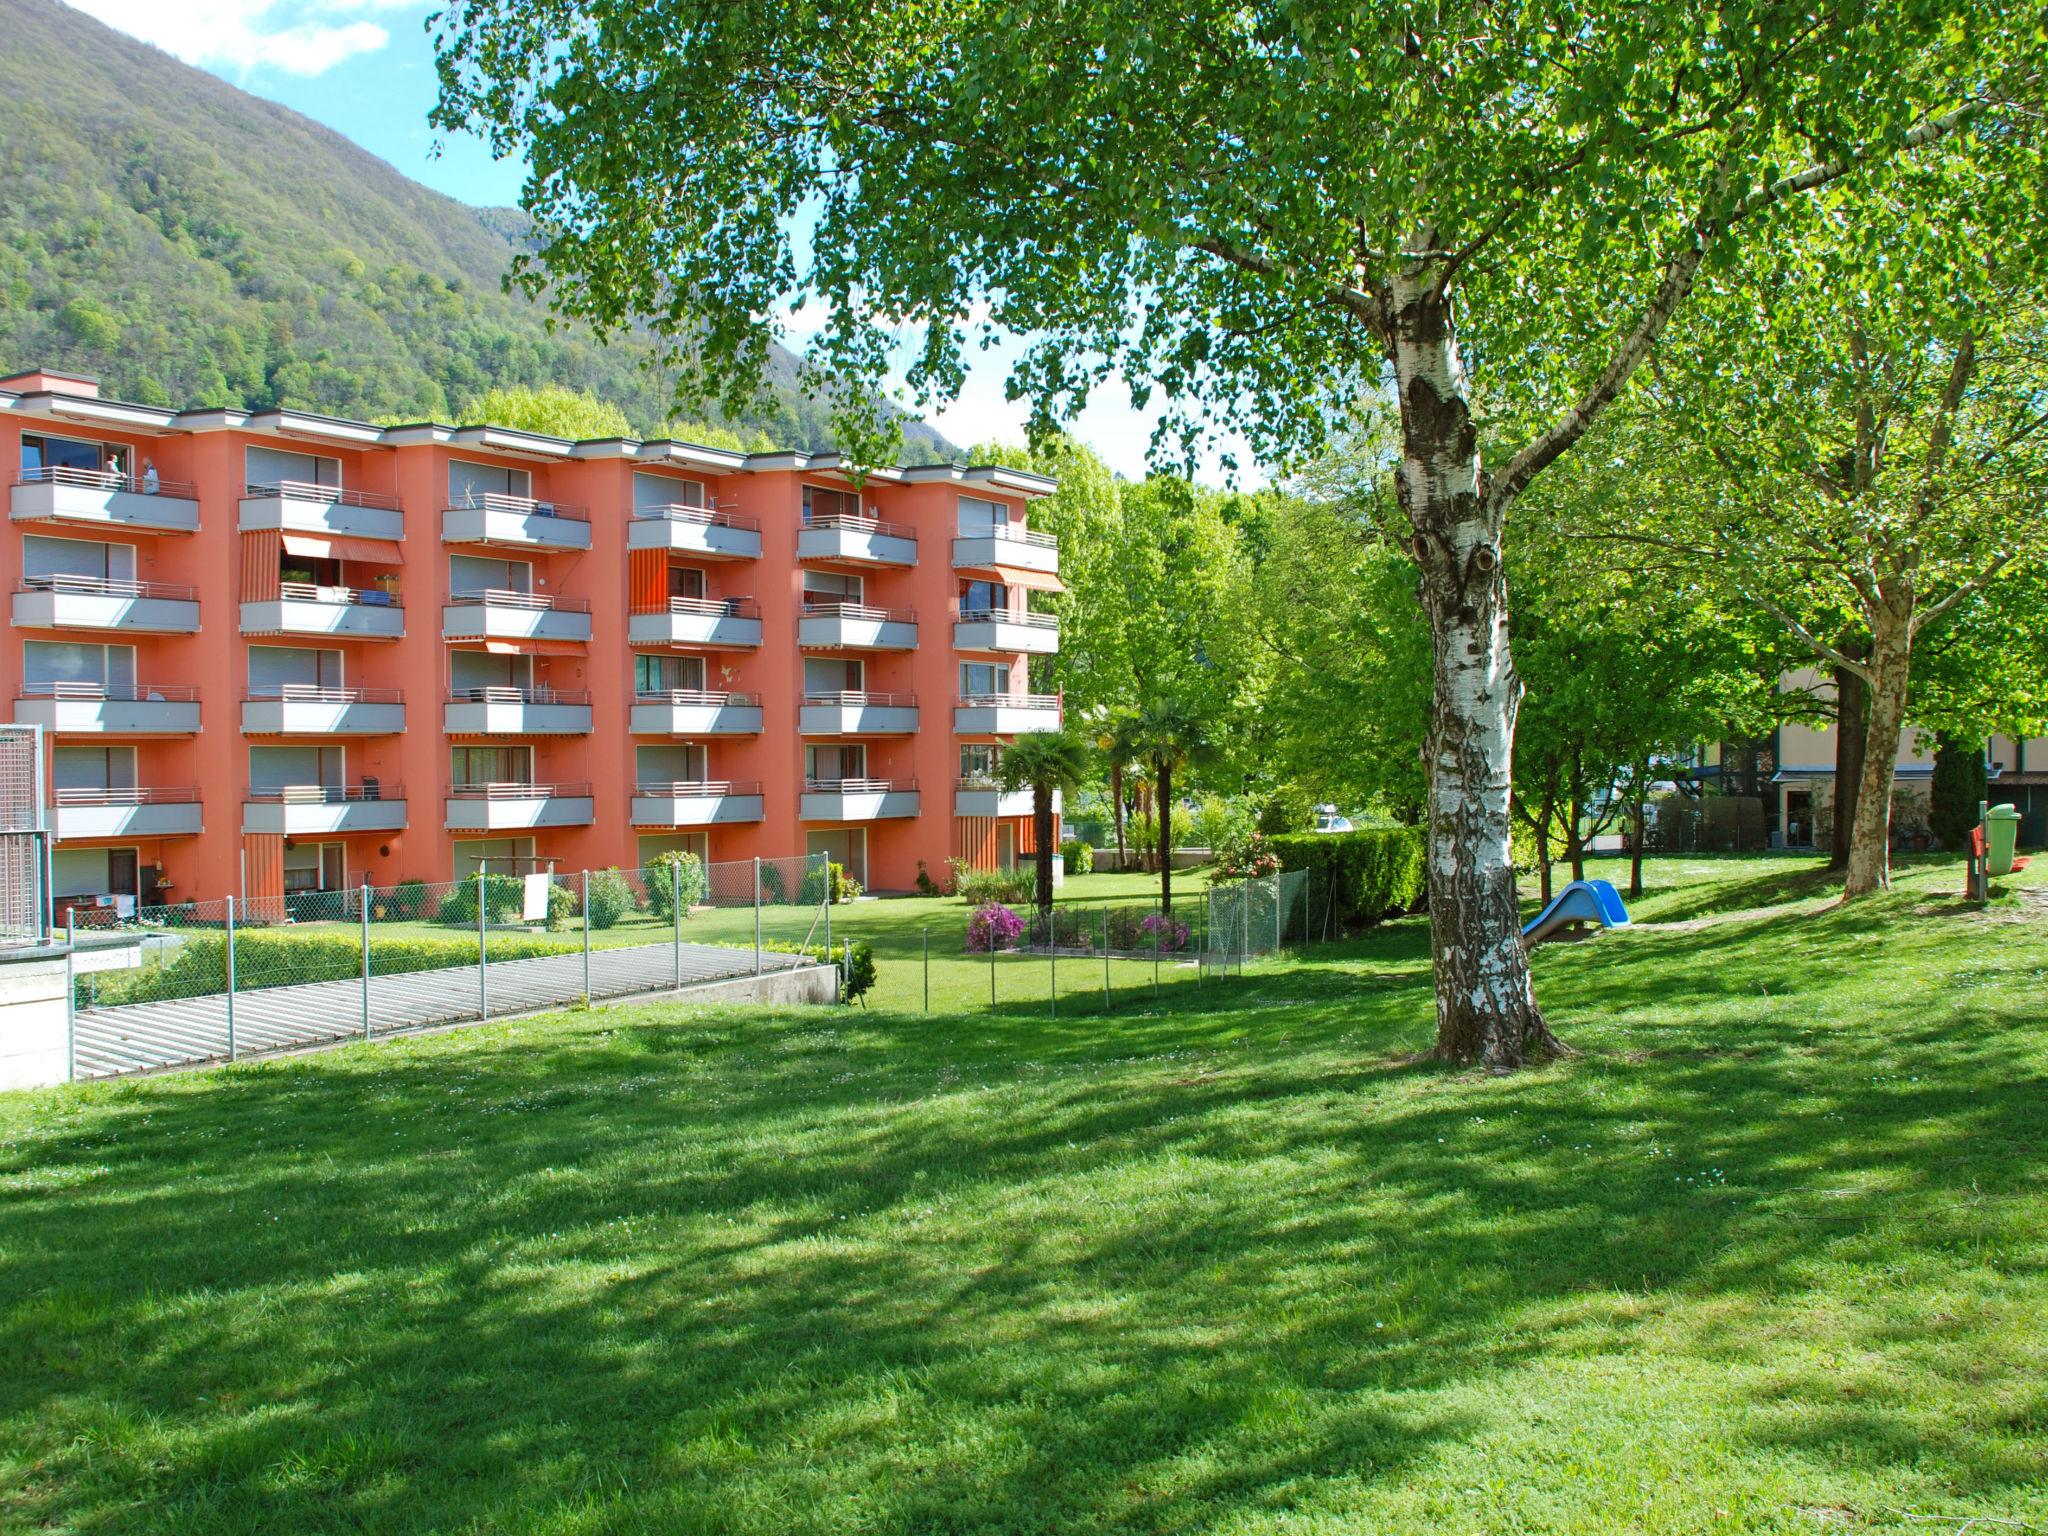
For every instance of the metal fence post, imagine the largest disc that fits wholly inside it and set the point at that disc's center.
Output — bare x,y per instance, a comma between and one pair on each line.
1279,915
675,902
366,959
991,970
586,938
828,906
1052,958
757,914
927,970
70,998
1105,960
483,995
231,977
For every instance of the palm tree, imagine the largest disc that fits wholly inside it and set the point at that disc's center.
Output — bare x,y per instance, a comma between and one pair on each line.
1167,736
1116,760
1043,762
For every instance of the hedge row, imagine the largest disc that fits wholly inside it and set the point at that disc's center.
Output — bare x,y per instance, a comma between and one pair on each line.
1372,873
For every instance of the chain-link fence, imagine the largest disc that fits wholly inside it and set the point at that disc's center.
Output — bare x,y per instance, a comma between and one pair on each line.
219,980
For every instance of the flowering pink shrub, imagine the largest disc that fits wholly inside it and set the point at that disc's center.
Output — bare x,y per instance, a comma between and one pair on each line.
1251,860
992,927
1163,932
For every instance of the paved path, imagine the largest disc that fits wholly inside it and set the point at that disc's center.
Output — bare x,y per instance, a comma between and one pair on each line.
141,1037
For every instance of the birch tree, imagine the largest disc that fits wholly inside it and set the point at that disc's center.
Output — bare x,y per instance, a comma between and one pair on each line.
1256,212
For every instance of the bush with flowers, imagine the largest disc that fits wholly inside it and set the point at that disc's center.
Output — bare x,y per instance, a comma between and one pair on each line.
1159,931
1252,859
992,927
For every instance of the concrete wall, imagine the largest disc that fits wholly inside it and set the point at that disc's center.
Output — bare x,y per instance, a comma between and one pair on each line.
34,1024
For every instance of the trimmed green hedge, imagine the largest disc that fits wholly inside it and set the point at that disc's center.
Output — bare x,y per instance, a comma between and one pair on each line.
1374,872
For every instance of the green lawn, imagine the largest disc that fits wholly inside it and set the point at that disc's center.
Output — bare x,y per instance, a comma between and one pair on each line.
1771,1254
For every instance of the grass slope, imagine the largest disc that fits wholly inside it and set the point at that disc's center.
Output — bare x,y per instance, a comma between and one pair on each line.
1771,1255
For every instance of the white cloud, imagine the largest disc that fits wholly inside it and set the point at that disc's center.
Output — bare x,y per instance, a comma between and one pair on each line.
245,35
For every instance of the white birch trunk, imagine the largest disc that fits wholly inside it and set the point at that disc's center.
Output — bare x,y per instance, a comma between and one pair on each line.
1890,666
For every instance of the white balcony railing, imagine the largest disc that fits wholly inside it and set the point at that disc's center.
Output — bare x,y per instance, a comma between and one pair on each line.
307,709
104,499
706,531
96,602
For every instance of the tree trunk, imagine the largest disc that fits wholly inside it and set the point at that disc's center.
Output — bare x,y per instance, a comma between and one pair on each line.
1543,855
1165,815
1890,665
1575,810
1116,811
1485,1007
1852,712
1041,837
1635,857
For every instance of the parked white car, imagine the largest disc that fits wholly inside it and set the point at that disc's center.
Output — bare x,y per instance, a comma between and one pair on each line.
1328,819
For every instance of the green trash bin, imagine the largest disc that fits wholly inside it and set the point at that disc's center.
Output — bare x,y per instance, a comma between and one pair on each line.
2001,838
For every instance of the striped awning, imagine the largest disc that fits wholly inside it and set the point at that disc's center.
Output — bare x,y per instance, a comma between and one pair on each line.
327,546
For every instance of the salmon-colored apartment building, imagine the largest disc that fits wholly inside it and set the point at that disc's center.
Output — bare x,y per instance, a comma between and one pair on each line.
275,651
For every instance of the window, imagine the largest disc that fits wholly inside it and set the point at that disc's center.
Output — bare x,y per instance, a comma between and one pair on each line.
469,484
846,847
685,581
836,762
480,669
295,767
491,765
93,768
829,674
667,674
978,678
978,763
44,557
833,587
273,466
669,763
476,573
95,872
821,503
40,451
498,855
315,867
983,597
274,668
980,518
652,493
45,663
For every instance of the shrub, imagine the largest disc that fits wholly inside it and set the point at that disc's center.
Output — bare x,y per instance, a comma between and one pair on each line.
979,887
1251,858
1219,824
611,898
1159,931
860,971
992,927
834,877
1079,856
773,887
926,885
406,904
1289,808
676,872
1070,928
504,901
1367,874
561,906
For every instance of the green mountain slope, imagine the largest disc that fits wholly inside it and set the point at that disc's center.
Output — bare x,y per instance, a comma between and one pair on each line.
195,245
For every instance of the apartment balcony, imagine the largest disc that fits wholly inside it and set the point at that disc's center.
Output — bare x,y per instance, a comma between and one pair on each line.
1015,549
492,614
1029,634
696,712
857,799
299,709
858,714
92,602
720,623
101,709
856,540
91,498
82,814
701,532
516,712
311,810
517,522
340,613
1006,714
983,797
857,627
693,803
295,506
518,807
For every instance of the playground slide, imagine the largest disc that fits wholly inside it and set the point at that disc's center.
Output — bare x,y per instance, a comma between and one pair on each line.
1583,901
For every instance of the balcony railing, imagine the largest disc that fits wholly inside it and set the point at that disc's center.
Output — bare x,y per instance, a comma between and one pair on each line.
859,786
695,789
333,495
100,586
854,699
1009,701
500,597
313,693
861,523
846,610
183,795
327,794
107,480
518,791
111,693
709,607
520,506
1012,533
498,694
314,592
1026,620
700,698
717,517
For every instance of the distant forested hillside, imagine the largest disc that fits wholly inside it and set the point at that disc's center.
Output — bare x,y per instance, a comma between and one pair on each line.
194,245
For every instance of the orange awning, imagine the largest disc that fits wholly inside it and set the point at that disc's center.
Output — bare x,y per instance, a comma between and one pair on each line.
1036,581
526,648
323,546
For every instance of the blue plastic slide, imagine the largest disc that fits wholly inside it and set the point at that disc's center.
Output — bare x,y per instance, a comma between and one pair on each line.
1583,901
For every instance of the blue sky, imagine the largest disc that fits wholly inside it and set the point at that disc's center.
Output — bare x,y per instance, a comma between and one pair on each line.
365,68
